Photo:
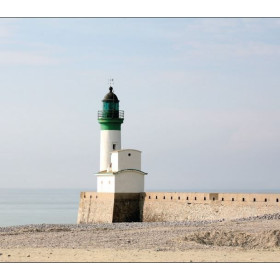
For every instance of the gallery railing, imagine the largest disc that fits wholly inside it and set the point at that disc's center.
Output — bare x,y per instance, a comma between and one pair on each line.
110,114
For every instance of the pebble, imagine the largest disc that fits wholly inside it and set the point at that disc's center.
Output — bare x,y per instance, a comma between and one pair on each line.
111,226
122,226
73,227
275,216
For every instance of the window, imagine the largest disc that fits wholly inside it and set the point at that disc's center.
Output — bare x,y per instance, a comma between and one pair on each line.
171,197
84,196
156,196
129,154
232,199
213,198
114,146
204,198
265,200
187,198
149,197
179,198
223,199
195,198
164,197
90,196
96,196
254,200
277,200
243,199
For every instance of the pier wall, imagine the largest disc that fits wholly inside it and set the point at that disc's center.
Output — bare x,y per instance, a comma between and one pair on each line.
96,207
167,206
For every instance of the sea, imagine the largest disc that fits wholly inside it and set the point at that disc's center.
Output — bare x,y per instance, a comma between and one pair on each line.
38,206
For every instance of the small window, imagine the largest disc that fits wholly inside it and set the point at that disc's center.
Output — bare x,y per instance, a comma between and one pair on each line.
178,197
187,198
156,196
243,199
171,197
232,199
84,196
149,197
223,199
129,154
254,200
204,198
195,198
114,146
90,196
277,199
96,196
164,197
213,198
265,200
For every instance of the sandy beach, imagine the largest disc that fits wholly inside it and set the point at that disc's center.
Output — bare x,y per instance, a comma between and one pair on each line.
113,255
247,240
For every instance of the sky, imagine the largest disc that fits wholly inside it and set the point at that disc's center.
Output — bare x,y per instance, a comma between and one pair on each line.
200,95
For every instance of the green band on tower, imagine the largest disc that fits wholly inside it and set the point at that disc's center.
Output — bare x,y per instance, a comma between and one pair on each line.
110,124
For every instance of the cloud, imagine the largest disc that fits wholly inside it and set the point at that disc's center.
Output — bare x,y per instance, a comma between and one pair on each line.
230,50
4,31
256,131
231,131
207,38
26,58
8,28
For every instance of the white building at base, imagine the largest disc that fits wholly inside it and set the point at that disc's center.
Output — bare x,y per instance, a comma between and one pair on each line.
124,175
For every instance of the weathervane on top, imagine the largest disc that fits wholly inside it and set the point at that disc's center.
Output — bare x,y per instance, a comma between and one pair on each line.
110,82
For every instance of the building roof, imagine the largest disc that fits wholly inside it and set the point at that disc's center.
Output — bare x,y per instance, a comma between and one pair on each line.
104,172
125,150
129,170
110,96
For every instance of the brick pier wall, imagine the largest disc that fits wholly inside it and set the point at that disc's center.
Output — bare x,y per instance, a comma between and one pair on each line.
96,208
206,206
156,207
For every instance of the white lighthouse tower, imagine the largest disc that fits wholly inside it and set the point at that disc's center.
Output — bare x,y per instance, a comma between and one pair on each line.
110,119
120,170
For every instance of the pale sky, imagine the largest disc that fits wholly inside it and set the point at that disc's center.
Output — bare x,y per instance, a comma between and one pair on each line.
201,100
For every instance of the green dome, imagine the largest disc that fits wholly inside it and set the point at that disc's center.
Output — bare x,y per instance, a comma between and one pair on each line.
111,97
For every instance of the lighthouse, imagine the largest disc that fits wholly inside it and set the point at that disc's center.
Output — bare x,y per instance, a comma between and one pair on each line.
120,169
120,181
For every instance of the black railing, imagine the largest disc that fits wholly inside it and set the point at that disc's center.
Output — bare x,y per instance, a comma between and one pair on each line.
110,114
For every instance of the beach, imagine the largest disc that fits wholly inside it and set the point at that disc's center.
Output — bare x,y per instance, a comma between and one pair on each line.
254,239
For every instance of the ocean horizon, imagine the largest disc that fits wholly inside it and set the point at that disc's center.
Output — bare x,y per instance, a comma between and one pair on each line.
38,206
